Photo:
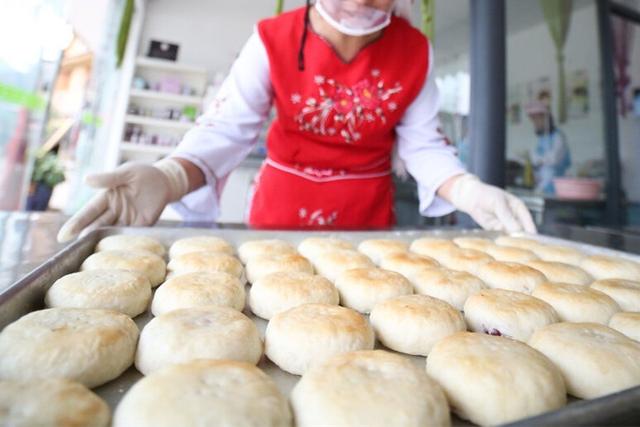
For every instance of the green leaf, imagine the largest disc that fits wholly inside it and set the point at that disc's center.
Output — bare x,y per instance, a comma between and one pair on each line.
48,170
123,32
428,13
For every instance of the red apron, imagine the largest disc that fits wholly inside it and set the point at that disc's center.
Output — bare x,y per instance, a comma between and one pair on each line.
330,146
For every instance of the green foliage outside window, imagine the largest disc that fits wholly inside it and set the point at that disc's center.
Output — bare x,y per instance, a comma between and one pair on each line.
48,170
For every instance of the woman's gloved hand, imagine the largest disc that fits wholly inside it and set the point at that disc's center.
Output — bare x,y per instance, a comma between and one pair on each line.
491,207
132,194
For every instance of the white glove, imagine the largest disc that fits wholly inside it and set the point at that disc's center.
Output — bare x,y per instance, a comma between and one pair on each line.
133,194
491,207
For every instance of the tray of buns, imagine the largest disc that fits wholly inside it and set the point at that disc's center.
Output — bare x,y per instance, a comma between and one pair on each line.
186,326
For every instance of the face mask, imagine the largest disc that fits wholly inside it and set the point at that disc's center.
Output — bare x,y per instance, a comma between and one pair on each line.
352,19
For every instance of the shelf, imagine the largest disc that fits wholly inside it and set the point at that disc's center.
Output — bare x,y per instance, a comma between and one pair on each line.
129,147
163,123
163,96
165,65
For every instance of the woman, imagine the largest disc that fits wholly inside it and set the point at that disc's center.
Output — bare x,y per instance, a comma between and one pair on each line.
350,80
551,156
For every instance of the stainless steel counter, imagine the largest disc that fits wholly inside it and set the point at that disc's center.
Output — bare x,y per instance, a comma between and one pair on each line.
26,240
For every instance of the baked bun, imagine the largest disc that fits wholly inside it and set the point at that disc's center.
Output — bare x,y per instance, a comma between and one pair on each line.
511,276
313,246
407,263
368,388
258,248
279,292
413,324
200,244
130,242
491,380
627,323
85,345
461,259
594,360
213,393
260,266
477,243
431,246
558,253
362,288
577,303
607,267
507,313
453,287
376,249
192,262
50,402
331,264
510,254
128,292
147,263
309,334
561,272
184,335
198,289
517,242
625,292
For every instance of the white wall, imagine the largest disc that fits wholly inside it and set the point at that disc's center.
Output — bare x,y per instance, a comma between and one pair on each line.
450,65
210,33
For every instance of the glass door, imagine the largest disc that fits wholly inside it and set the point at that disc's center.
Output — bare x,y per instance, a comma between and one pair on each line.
34,33
625,30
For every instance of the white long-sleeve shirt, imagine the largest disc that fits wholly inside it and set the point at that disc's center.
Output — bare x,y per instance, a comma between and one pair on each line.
226,133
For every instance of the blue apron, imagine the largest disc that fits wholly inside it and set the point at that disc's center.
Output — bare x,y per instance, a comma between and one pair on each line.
549,172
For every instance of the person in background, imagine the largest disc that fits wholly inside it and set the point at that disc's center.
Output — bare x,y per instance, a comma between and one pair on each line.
352,81
551,157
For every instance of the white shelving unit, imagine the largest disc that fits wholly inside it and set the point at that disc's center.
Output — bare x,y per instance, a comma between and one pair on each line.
155,150
168,66
157,123
162,96
154,71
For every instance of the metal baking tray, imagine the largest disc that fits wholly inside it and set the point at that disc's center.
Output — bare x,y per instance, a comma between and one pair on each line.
27,295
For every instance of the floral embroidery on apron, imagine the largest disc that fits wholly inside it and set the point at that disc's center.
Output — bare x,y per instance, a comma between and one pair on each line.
341,110
316,217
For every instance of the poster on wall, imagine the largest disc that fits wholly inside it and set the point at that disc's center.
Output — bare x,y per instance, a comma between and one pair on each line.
578,94
540,90
514,104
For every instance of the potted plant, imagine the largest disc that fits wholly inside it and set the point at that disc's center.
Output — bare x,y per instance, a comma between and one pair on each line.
47,173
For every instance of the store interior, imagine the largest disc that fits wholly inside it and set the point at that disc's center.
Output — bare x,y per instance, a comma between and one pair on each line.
319,213
86,86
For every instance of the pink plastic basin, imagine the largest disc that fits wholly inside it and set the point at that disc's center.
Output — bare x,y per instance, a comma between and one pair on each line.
577,188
